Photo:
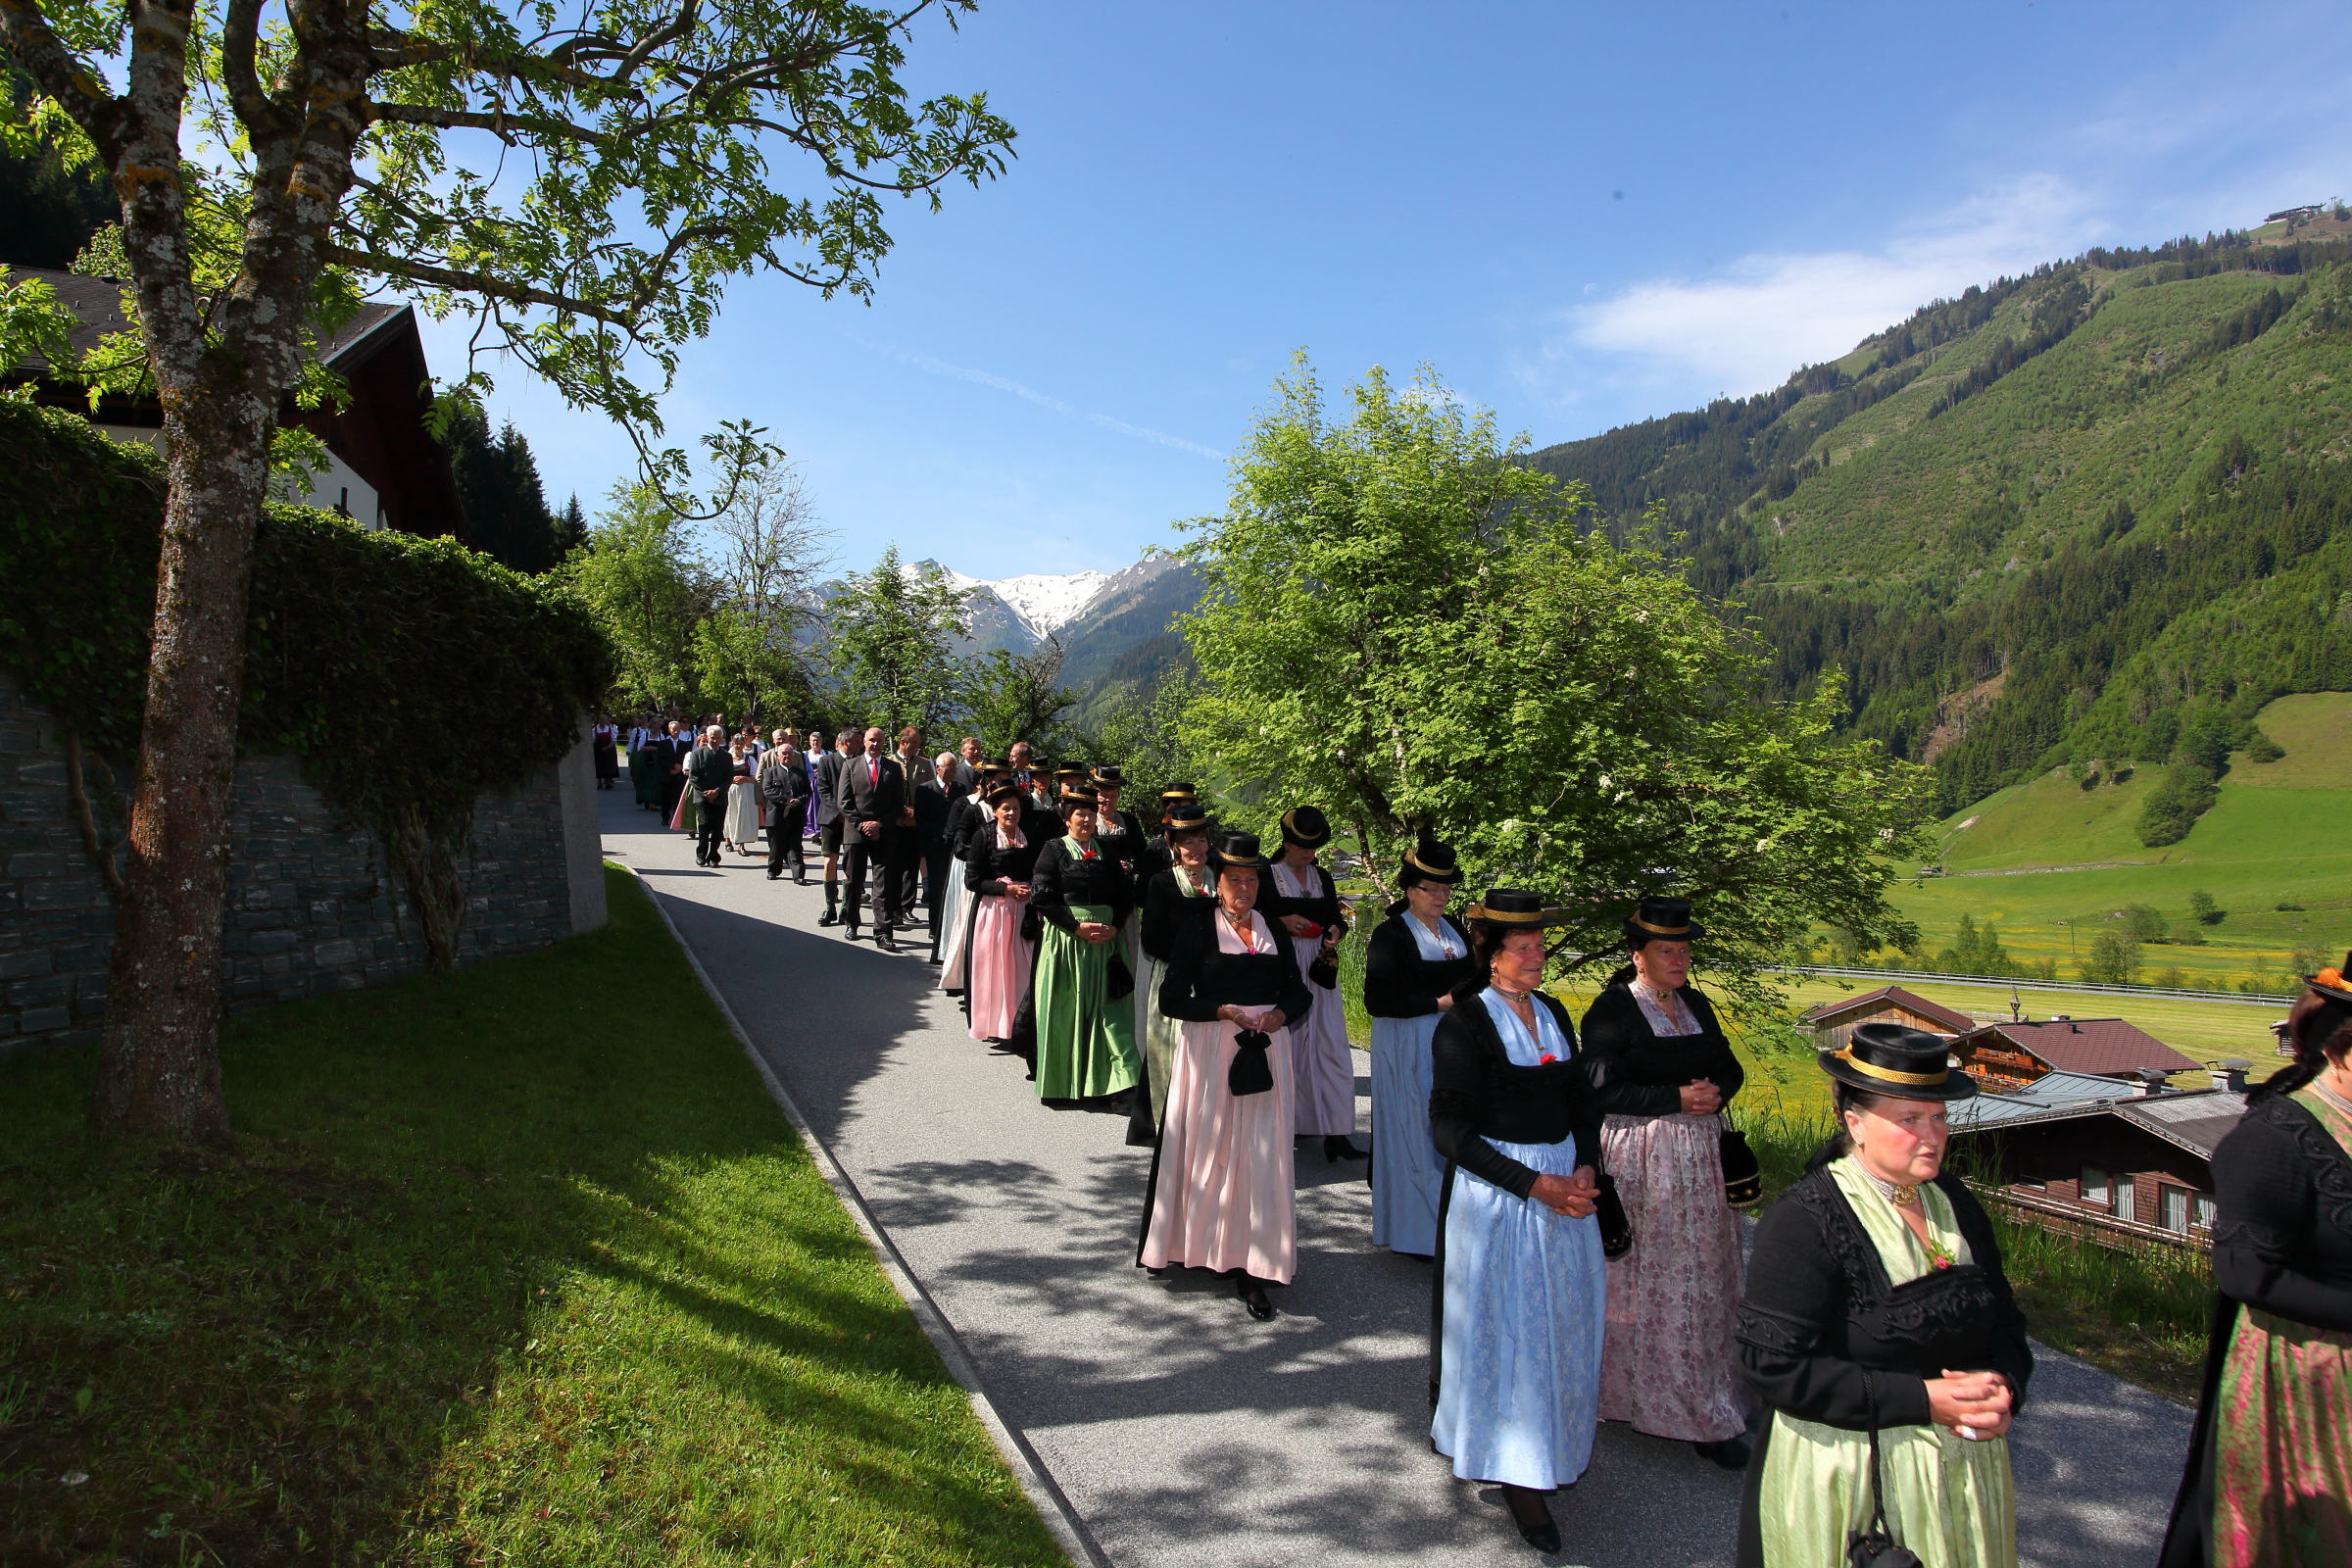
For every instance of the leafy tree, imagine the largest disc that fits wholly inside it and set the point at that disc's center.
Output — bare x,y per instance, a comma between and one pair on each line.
48,205
2173,807
503,505
2205,909
1405,625
1977,950
1144,737
890,636
2145,921
1008,697
648,589
2263,749
768,550
2114,959
623,175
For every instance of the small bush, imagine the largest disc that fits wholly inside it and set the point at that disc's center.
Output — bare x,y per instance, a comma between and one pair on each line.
2114,960
2288,908
2205,909
2143,921
2173,807
2265,750
2171,978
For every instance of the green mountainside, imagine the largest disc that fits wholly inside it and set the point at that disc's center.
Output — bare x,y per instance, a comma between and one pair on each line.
2101,513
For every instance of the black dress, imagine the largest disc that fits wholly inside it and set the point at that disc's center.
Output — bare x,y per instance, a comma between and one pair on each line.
2281,1246
1824,1337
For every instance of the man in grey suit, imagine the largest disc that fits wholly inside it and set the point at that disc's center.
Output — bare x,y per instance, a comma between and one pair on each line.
828,818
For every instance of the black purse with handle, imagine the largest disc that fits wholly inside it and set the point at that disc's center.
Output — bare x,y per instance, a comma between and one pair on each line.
1873,1547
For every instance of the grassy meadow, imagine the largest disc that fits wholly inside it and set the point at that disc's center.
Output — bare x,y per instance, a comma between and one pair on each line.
520,1265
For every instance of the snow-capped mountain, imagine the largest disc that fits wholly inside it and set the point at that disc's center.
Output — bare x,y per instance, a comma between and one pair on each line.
1040,603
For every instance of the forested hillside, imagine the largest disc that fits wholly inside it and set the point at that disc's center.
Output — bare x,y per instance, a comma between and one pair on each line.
2099,513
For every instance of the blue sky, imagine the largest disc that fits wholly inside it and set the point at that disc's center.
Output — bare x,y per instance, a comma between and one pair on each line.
1580,213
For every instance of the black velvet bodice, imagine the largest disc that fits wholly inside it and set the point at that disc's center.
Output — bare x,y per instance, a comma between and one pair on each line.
1399,983
1202,977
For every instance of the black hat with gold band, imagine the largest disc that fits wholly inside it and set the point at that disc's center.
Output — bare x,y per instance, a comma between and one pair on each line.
1107,775
1001,790
1429,861
1238,851
1661,920
1513,907
1306,827
1891,1058
1171,795
1079,798
1184,816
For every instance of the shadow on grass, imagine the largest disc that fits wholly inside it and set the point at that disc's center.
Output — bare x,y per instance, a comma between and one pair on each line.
521,1264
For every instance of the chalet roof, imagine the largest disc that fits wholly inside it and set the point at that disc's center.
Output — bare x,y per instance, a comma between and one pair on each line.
2197,1119
97,305
1824,1013
2053,1091
2096,1046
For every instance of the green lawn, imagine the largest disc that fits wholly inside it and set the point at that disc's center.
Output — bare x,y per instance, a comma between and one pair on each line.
482,1280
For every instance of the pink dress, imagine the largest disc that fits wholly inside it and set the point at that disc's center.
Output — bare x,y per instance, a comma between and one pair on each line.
1221,1187
998,957
1323,1065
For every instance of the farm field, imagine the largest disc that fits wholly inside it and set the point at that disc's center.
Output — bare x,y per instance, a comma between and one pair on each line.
2275,836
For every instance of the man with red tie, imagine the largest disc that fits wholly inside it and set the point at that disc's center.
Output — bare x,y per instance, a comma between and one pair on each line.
873,799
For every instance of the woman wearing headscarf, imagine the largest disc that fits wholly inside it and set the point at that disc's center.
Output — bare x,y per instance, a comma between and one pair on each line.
1220,1195
1183,891
1085,1023
997,875
1305,900
1516,1368
1663,1072
1414,959
1881,1332
2269,1480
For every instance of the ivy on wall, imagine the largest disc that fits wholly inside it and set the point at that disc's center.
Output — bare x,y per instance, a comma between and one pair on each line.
408,674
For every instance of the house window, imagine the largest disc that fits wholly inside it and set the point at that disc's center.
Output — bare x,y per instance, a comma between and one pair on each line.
2107,1190
2171,1207
2202,1210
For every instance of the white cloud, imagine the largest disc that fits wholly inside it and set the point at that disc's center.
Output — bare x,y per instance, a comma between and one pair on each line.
1745,332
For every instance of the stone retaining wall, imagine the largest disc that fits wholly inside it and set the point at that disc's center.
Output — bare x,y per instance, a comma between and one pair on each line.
310,906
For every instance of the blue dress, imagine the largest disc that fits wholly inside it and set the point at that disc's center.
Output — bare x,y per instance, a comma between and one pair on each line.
1526,1298
1408,1172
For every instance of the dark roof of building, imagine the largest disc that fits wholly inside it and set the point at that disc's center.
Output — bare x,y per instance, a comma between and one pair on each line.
2103,1047
97,305
1958,1023
2197,1120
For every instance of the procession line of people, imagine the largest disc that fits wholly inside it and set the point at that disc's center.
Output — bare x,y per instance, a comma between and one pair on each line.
1573,1186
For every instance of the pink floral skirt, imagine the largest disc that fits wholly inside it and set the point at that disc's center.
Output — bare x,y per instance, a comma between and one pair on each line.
999,960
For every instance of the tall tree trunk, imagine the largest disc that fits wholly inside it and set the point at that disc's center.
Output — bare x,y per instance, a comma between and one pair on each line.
159,1073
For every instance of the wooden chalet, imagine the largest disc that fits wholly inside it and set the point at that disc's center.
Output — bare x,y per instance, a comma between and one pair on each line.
387,471
1833,1022
2003,1057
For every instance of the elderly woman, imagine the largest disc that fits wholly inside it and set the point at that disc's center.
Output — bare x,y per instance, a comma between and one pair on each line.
1663,1072
1307,901
1880,1330
997,871
1414,959
1520,1284
1220,1195
2269,1480
746,813
1176,895
1084,1024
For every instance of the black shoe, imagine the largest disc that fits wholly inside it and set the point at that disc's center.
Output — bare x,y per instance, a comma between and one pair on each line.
1732,1454
799,879
775,876
851,931
829,917
1533,1515
1336,1149
1156,1273
882,940
1253,1299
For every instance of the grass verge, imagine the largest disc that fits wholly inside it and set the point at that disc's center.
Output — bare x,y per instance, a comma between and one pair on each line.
483,1279
2141,1312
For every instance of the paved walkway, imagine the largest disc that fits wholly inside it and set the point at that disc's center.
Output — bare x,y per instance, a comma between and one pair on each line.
1182,1432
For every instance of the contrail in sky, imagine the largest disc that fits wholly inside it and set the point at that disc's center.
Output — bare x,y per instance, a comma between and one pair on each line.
1042,400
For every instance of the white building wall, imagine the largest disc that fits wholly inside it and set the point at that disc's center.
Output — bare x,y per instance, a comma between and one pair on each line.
339,488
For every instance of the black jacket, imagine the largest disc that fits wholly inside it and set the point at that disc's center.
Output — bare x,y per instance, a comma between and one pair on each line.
830,797
1063,879
1634,1073
2282,1243
785,785
987,869
708,770
1478,1092
932,808
1125,847
1399,983
1202,976
1166,909
1320,904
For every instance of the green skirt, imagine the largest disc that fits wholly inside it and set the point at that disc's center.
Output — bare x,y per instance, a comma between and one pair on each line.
1085,1040
1948,1499
645,777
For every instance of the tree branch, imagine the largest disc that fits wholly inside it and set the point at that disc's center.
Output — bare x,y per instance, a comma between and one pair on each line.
240,31
77,89
498,123
101,853
472,283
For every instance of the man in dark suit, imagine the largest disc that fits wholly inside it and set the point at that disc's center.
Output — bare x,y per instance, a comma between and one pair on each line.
828,818
784,785
873,810
934,799
711,773
671,752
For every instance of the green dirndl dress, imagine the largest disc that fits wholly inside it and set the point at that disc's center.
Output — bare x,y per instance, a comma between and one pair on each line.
1085,1039
1953,1496
645,776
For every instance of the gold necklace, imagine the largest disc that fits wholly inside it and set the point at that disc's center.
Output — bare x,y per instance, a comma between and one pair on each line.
1902,1195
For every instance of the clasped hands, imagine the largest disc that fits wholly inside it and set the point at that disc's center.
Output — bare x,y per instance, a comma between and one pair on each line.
1572,1197
1095,931
1969,1403
1700,1098
1265,1019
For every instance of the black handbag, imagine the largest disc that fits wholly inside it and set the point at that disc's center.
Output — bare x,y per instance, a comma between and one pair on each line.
1324,973
1743,1177
1874,1547
1616,1231
1250,1072
1121,979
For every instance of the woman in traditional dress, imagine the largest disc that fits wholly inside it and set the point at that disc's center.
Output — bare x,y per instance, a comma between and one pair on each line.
967,819
1220,1195
1414,959
1305,900
1881,1333
1157,856
1085,1034
603,743
996,876
1183,891
746,813
1520,1286
647,765
2269,1481
1663,1072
